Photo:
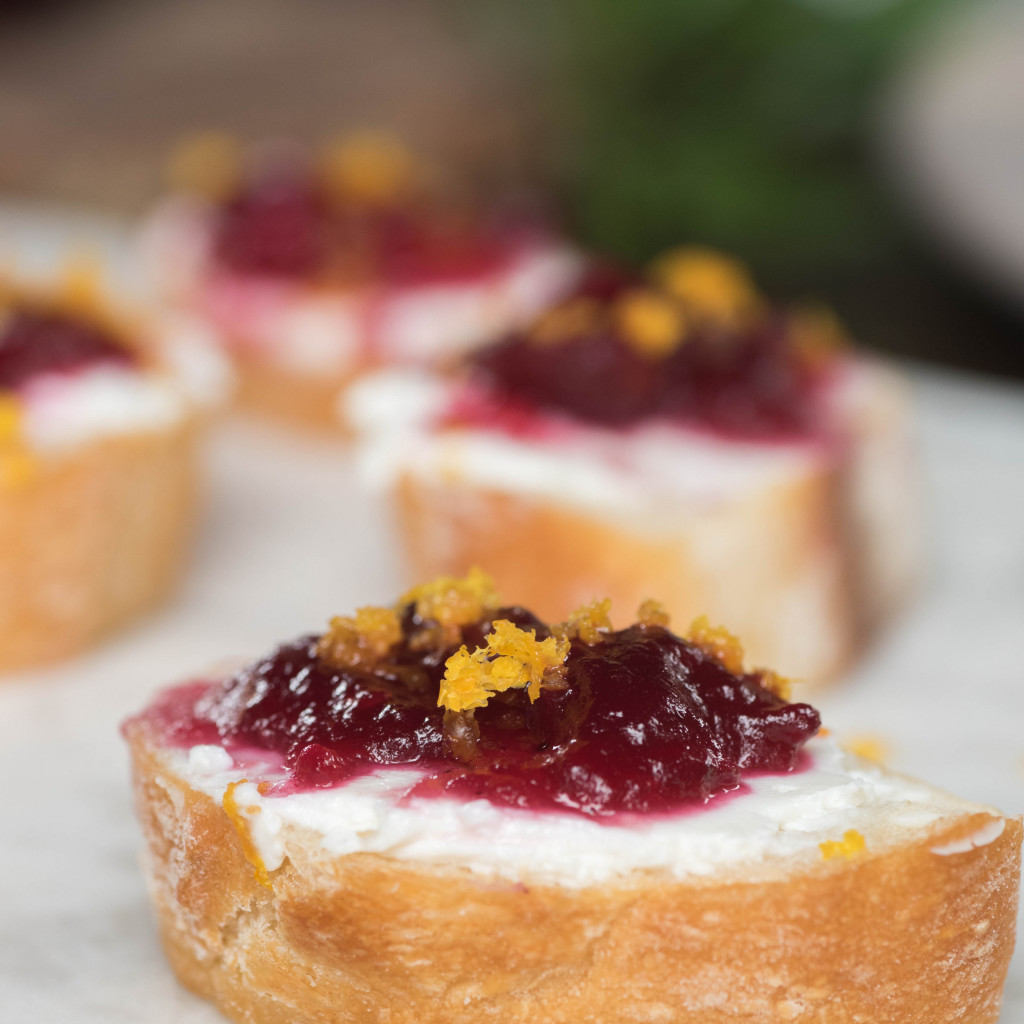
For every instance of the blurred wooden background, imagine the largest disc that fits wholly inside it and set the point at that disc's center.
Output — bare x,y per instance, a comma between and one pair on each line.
744,124
93,93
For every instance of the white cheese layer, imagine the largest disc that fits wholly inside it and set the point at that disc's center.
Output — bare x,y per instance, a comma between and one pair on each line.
397,415
312,331
62,411
780,817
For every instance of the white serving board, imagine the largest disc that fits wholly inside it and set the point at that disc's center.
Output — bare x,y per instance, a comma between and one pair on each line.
289,540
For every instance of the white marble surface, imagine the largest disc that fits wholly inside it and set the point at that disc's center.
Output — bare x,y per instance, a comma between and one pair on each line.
287,542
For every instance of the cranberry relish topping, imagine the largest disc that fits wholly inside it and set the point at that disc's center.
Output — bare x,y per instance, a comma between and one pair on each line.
35,341
697,346
360,215
576,716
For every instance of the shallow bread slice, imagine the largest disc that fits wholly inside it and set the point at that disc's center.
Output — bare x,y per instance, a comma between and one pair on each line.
771,559
92,538
306,400
916,927
806,550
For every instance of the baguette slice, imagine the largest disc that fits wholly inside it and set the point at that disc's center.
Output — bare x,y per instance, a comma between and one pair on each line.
805,549
297,344
92,538
919,926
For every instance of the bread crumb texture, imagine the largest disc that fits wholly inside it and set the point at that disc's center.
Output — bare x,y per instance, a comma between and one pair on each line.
895,934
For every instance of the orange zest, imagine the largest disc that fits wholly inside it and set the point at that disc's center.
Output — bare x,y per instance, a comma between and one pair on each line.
452,600
512,659
849,846
651,323
774,683
652,613
589,622
712,287
360,640
369,167
718,643
238,818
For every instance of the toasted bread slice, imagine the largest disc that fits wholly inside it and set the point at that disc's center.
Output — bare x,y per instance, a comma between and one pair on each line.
297,344
911,919
91,538
805,549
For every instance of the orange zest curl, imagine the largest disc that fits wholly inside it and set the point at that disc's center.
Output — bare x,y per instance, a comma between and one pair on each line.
570,319
360,640
774,683
513,659
238,818
465,683
651,323
718,643
369,167
652,613
849,846
454,601
589,622
713,287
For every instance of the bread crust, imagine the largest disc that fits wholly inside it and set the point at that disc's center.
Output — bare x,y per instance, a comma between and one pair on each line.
91,539
804,569
898,935
305,401
770,562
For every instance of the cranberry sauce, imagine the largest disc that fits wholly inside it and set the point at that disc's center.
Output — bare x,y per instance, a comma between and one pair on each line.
742,382
641,721
286,225
278,227
422,250
38,341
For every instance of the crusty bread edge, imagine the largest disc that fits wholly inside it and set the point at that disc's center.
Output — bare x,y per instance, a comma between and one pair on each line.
769,563
303,401
901,934
805,569
91,539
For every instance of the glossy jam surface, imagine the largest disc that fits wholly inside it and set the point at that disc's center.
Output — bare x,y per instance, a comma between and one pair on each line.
753,386
284,225
277,228
642,722
743,382
36,341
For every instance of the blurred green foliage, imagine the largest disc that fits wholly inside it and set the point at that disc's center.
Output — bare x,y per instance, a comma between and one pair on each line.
740,123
